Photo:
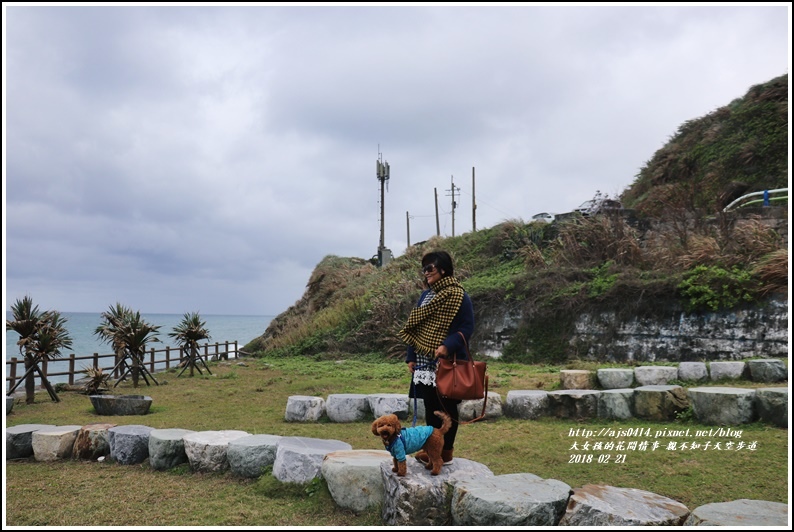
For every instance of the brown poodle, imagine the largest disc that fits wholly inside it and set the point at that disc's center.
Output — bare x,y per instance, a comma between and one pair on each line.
403,441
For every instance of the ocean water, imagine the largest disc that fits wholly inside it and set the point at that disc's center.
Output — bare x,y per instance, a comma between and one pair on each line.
81,327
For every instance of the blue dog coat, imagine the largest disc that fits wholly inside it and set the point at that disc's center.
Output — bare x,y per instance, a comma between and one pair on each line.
409,441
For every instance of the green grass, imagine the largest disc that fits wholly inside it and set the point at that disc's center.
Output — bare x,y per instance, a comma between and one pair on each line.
252,397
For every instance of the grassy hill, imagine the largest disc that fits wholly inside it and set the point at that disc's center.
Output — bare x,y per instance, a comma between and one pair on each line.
677,249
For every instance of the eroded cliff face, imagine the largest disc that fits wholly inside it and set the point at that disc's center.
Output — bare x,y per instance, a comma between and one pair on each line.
670,336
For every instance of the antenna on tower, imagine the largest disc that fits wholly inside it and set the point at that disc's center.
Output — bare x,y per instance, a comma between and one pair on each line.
382,173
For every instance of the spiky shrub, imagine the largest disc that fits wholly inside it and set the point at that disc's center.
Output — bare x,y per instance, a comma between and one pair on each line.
772,272
97,382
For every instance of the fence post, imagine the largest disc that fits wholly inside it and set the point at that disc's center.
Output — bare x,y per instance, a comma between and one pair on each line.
43,372
151,360
71,369
167,357
13,375
96,360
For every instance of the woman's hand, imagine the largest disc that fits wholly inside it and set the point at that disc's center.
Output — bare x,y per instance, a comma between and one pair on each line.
441,351
411,366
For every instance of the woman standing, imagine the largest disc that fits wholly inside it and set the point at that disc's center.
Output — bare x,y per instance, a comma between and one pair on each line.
442,312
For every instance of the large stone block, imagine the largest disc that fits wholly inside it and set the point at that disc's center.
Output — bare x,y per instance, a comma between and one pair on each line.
771,405
576,379
693,371
55,443
354,478
742,513
250,455
304,408
129,444
595,505
660,402
655,375
299,459
421,499
727,370
574,404
92,441
720,405
206,450
768,370
167,448
527,404
616,404
19,439
473,408
520,499
615,378
348,407
389,403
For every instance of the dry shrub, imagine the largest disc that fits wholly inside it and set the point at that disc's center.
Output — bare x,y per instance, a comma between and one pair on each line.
532,257
700,249
750,240
772,270
594,240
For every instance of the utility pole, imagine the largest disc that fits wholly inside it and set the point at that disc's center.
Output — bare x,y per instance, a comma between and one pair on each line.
438,227
454,204
408,228
382,172
473,204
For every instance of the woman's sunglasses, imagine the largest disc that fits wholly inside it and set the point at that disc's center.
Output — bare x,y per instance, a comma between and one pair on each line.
430,268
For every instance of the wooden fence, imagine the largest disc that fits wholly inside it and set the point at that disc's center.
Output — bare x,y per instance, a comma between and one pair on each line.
158,360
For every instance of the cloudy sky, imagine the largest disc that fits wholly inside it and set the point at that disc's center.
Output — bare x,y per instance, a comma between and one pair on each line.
206,158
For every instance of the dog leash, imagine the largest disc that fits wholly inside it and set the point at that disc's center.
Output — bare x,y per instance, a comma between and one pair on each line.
413,388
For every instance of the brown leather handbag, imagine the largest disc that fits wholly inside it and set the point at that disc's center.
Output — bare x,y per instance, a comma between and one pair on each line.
461,379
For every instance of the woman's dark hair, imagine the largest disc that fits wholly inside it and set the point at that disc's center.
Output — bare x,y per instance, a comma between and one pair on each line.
442,262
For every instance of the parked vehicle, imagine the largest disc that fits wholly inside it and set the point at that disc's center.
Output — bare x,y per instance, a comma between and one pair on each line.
543,217
599,206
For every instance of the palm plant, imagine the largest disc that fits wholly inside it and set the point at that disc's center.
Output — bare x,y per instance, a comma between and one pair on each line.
110,330
188,333
136,334
42,336
129,334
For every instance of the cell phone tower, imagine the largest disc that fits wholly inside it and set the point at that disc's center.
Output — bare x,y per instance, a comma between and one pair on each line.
382,172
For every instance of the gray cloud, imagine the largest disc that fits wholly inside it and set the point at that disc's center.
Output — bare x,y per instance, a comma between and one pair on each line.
208,157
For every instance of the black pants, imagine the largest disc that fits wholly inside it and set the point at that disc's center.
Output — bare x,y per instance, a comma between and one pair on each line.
432,403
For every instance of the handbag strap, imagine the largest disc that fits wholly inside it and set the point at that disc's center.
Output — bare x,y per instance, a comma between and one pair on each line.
485,399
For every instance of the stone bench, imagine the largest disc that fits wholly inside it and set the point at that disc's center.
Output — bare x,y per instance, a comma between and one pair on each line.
348,407
121,405
304,408
520,499
354,478
740,513
693,371
390,403
596,505
655,375
92,441
207,450
615,378
771,405
660,402
527,404
472,408
576,379
617,403
167,448
250,455
299,459
129,444
19,439
720,405
768,370
726,370
55,443
422,499
574,404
